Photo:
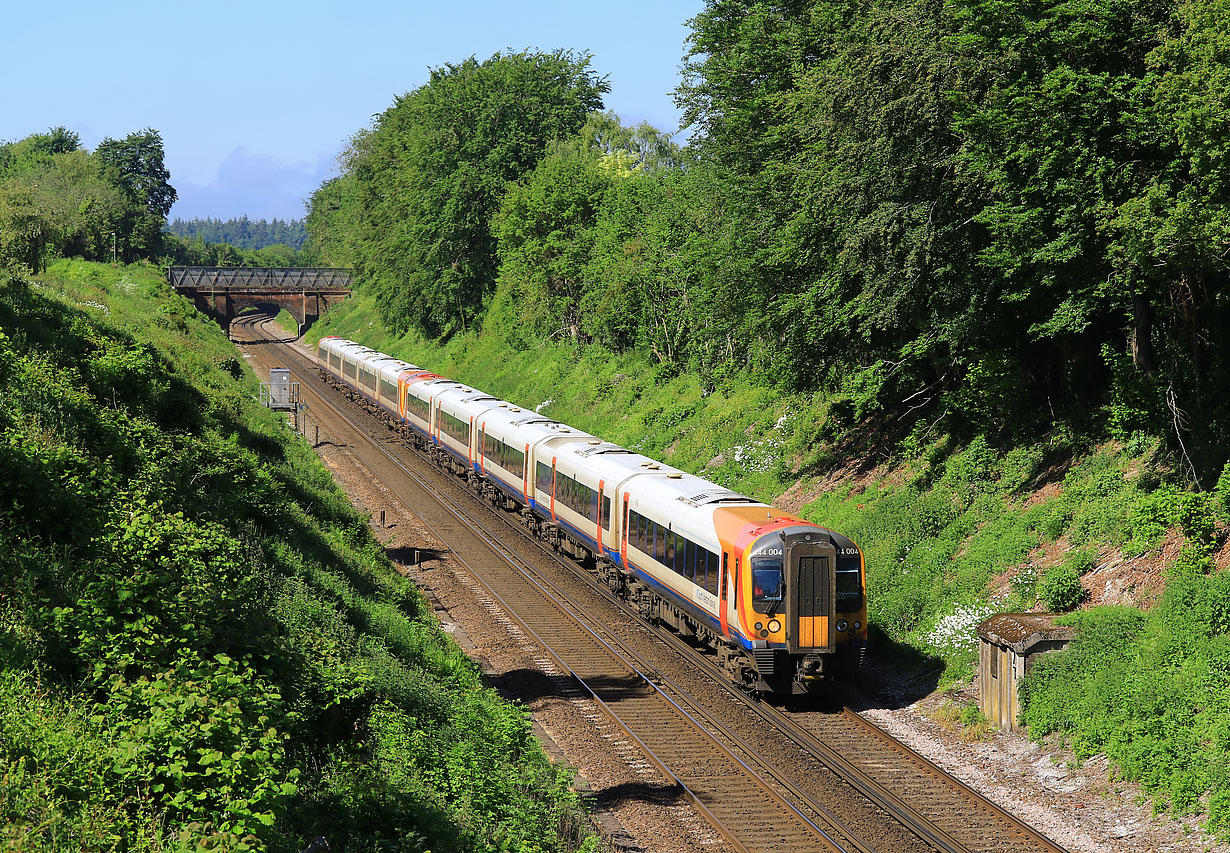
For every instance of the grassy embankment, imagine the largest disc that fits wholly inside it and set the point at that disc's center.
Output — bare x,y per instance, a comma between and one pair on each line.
201,644
951,534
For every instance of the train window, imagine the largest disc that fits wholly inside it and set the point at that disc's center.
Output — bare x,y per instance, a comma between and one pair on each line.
454,426
348,369
605,521
543,482
689,562
669,559
387,389
593,505
766,583
725,572
642,533
849,588
711,572
421,409
659,542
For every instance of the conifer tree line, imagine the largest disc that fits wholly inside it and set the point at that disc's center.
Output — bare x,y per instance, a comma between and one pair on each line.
242,233
968,216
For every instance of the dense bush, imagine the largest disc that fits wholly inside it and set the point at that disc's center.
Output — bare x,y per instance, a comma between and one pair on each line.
200,643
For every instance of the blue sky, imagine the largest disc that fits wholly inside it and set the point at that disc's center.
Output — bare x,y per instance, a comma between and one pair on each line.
254,100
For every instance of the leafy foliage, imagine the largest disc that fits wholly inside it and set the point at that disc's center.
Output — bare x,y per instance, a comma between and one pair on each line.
201,646
430,173
57,199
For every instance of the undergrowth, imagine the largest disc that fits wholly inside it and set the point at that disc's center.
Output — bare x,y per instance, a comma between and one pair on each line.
201,644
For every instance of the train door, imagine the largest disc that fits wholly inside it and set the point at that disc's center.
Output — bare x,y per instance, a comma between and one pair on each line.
623,533
723,591
810,583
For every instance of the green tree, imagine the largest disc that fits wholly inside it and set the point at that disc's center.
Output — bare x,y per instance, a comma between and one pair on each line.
544,228
24,229
135,164
431,173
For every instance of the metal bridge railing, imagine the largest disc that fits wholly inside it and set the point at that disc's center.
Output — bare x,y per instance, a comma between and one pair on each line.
274,278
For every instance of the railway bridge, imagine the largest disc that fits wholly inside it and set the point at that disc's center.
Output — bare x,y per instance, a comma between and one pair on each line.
224,292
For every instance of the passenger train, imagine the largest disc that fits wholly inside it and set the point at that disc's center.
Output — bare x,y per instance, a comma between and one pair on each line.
779,600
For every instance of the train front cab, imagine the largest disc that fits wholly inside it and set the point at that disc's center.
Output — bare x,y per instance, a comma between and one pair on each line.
799,598
821,595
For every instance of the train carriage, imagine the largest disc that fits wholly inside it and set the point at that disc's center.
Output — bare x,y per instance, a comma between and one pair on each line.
418,399
582,498
389,376
454,410
505,436
780,599
343,360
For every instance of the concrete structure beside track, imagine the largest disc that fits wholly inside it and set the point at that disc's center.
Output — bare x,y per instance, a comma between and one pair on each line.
1009,645
224,292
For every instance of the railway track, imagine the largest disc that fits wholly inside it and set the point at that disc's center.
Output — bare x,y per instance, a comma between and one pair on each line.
742,806
749,801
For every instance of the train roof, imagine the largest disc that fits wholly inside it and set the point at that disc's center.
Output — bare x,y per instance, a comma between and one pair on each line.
456,396
507,422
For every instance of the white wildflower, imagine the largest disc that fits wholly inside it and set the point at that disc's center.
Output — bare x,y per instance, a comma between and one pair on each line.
957,632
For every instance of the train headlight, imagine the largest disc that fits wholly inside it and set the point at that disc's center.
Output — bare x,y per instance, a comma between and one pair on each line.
842,624
759,626
857,625
775,626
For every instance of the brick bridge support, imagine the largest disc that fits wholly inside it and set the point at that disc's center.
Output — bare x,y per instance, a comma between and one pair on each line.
225,304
